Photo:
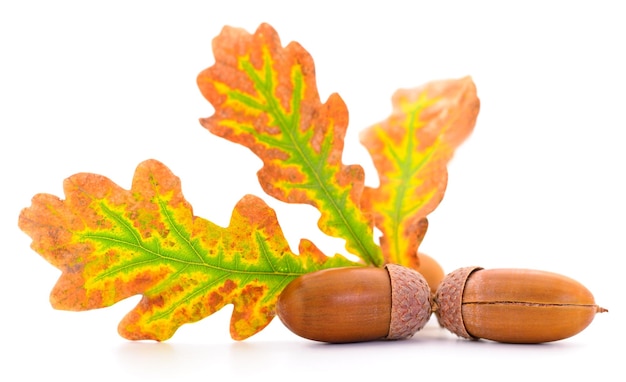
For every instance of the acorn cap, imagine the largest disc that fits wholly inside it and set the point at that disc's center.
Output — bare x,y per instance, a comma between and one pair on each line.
410,302
448,301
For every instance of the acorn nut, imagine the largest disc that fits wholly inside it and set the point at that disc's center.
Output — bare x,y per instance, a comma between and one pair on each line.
513,305
431,270
356,304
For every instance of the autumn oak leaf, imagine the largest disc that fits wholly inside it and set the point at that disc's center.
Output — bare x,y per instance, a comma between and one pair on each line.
111,243
411,150
265,98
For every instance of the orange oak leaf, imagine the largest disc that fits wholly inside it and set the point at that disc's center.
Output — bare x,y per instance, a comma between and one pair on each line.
111,243
411,150
266,98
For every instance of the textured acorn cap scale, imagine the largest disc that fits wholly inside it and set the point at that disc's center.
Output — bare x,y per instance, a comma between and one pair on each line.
410,302
448,301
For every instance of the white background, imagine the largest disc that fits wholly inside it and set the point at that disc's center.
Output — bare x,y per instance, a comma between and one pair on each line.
101,86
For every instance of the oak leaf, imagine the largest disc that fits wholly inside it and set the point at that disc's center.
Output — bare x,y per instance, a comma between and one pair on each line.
112,243
411,150
265,98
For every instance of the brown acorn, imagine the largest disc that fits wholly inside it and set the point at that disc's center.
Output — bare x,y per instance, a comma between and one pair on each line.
431,270
513,305
356,304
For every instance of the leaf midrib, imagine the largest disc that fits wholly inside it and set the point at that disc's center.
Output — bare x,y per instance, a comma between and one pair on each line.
159,256
288,127
407,169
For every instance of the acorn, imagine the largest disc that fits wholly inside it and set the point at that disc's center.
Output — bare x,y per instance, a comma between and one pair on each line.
513,305
431,270
355,304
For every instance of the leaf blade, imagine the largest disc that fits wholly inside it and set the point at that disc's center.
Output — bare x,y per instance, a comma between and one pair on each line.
266,99
410,150
112,243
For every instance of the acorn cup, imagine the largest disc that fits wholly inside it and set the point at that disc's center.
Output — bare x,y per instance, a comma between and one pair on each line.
357,304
